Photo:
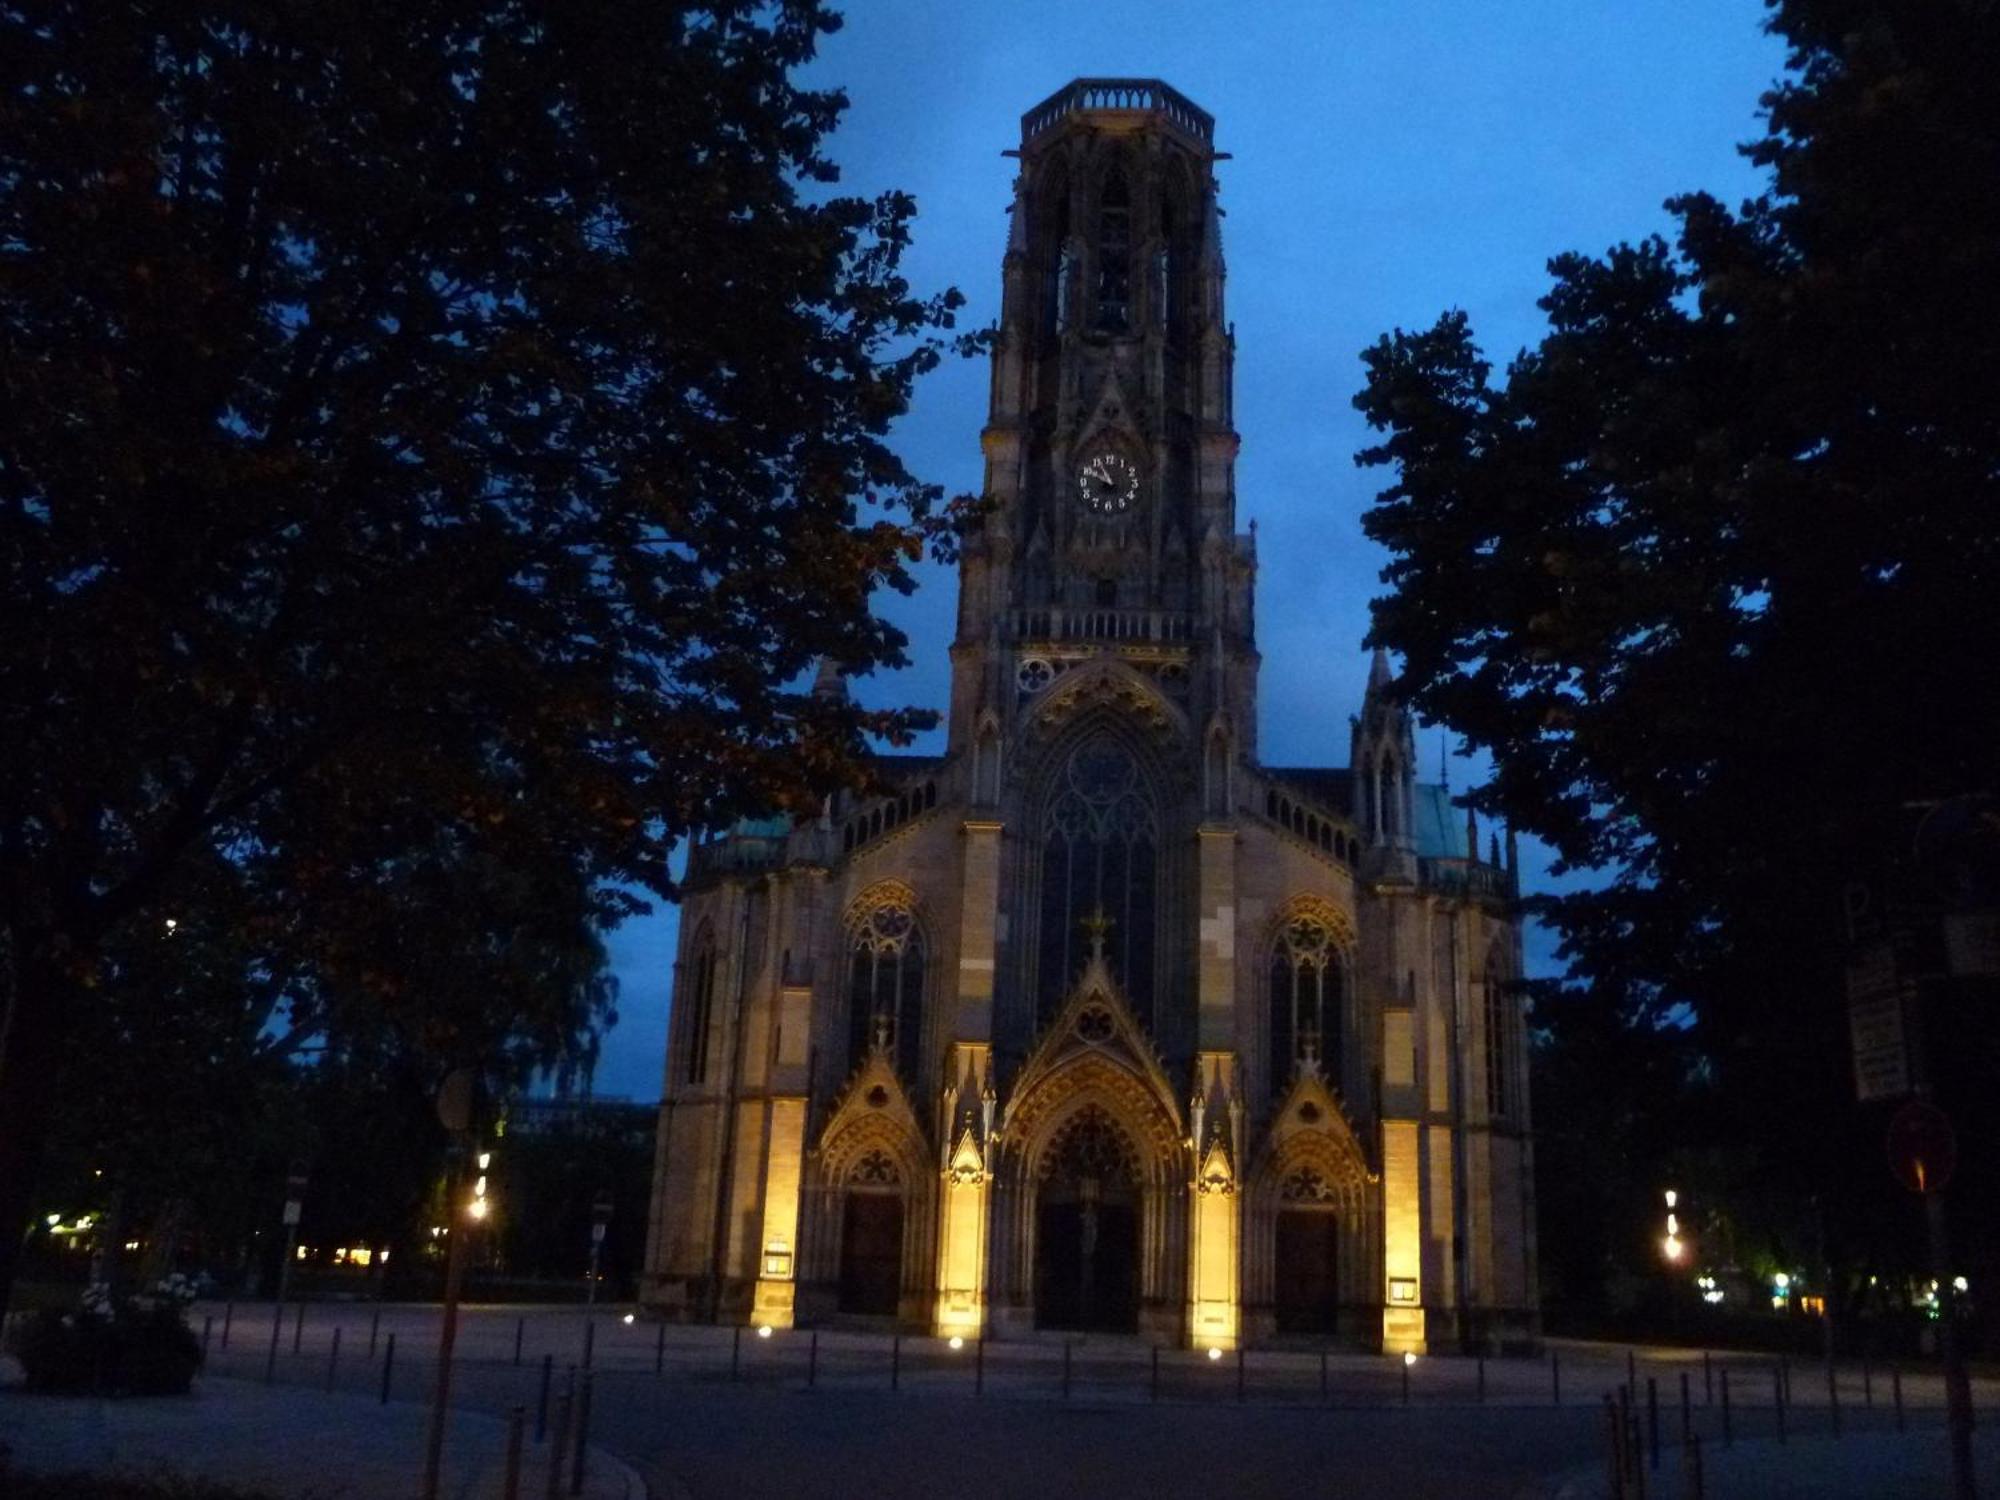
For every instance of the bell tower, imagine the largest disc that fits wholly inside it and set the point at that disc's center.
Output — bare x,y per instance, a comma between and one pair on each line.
1110,444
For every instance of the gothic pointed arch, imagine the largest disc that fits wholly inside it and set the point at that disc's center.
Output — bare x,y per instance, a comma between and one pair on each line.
871,1183
1309,989
694,998
1313,1219
1092,1165
1094,1052
886,972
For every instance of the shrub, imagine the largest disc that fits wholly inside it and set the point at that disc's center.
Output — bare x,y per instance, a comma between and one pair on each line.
138,1346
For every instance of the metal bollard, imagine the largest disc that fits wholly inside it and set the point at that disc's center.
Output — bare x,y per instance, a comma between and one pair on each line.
1785,1369
1065,1388
542,1402
1556,1377
1707,1379
511,1484
1652,1423
298,1327
1615,1449
660,1348
979,1365
812,1360
207,1327
1833,1396
388,1366
736,1354
520,1332
1153,1385
1778,1399
277,1331
1693,1483
228,1317
582,1444
374,1328
895,1362
1728,1430
1482,1380
1687,1410
589,1340
1896,1393
557,1448
1322,1375
333,1359
1239,1372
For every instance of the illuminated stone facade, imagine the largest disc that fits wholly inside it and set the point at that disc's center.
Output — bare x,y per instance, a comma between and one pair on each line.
1096,1021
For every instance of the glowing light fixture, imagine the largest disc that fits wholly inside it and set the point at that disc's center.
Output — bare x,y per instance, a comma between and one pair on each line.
1214,1353
1409,1358
956,1342
763,1330
630,1320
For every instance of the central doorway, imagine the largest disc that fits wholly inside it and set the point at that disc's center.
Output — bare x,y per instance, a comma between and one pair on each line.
1308,1271
871,1253
1087,1232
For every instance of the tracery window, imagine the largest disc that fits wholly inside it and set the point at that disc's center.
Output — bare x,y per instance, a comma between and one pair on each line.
885,986
1307,987
1100,852
1114,255
700,1001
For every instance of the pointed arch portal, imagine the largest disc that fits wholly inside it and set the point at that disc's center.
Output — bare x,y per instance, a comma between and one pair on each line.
1087,1229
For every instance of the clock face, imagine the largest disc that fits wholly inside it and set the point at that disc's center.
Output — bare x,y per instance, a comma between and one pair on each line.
1109,484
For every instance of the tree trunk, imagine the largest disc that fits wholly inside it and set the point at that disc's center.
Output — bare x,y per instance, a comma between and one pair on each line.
31,1045
37,1021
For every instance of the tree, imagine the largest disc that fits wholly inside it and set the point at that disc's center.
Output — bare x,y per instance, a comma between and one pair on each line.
1713,573
423,424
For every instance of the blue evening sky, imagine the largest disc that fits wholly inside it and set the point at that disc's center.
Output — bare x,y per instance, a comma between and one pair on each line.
1392,159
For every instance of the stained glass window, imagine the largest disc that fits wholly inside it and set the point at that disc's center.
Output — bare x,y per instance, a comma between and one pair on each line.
1306,1010
1100,851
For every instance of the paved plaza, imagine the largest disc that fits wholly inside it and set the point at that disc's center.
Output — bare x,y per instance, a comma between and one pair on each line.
710,1413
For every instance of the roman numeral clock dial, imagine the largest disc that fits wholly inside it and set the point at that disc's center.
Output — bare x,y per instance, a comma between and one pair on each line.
1109,484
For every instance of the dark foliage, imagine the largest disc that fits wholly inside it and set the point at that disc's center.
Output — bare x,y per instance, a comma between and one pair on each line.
434,438
1713,574
137,1352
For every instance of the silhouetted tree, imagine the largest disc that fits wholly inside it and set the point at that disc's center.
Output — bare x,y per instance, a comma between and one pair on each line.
1713,573
424,425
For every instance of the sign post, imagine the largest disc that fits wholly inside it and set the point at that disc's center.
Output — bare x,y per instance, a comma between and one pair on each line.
454,1109
295,1192
600,1221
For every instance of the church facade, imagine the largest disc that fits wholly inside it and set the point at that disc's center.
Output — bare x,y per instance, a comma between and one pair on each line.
1097,1021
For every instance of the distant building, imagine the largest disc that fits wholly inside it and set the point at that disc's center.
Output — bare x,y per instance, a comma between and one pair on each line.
1097,1021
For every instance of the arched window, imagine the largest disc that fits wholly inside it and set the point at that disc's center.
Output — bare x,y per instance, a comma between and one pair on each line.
1058,255
1114,255
700,1002
1307,984
1503,1031
1100,851
885,985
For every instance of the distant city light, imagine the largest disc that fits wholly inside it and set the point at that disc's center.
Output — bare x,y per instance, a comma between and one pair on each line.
1671,1247
1673,1198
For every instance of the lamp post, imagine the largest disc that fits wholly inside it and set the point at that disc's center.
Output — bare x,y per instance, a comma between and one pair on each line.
600,1220
295,1192
454,1109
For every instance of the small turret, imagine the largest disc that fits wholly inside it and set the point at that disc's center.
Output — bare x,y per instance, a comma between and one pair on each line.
1384,762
